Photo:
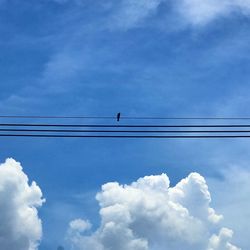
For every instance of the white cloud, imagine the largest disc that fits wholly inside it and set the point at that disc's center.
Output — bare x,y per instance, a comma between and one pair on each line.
150,215
220,242
231,197
79,225
20,227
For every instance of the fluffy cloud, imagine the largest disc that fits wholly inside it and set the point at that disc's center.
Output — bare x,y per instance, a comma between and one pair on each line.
20,227
220,242
149,214
231,197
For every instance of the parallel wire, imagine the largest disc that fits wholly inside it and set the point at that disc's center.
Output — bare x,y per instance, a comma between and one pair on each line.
124,126
128,136
122,117
55,117
122,131
110,130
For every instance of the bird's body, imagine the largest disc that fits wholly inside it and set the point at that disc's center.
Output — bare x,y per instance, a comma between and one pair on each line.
118,116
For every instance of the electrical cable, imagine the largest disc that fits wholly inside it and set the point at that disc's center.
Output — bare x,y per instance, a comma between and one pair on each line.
122,131
128,136
122,117
123,126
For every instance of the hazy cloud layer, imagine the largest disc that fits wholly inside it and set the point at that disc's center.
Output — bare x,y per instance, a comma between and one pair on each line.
199,12
195,12
130,13
149,214
20,226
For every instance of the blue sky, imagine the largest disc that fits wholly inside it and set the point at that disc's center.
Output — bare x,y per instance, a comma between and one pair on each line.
140,58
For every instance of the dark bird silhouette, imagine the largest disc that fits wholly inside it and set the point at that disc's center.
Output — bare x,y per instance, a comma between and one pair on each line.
118,116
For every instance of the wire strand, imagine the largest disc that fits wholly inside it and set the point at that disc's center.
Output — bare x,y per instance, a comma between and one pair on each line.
128,136
55,117
123,126
122,131
122,117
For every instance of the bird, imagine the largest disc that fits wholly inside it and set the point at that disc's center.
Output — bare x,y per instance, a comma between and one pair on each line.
118,116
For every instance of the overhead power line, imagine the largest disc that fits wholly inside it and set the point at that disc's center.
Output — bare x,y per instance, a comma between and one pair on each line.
127,136
122,117
121,131
124,126
118,130
55,117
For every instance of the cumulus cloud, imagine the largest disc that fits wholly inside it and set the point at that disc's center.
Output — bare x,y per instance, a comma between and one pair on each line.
20,226
150,215
231,197
220,242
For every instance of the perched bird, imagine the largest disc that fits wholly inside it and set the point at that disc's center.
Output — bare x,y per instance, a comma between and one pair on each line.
118,116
